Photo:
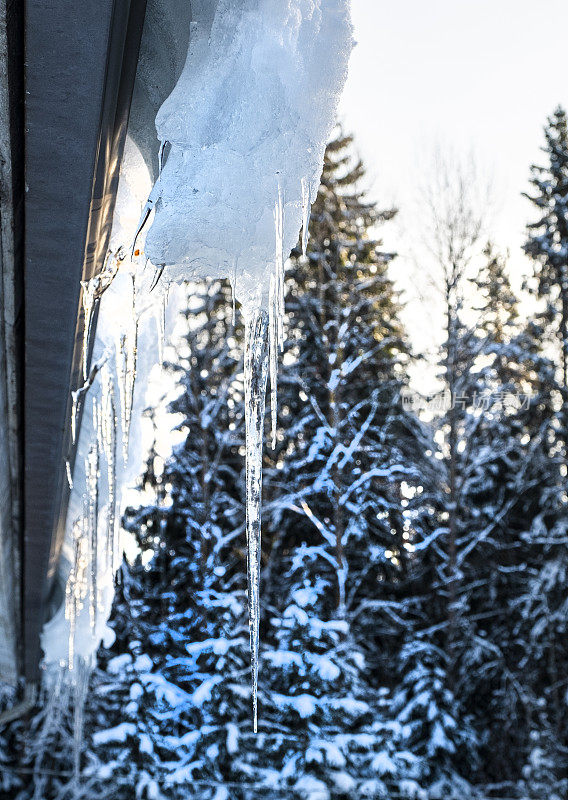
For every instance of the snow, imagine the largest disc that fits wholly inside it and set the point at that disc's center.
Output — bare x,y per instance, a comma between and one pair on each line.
333,754
183,774
305,705
218,646
203,692
411,790
283,658
311,788
165,691
314,756
118,664
117,734
136,691
147,787
232,738
343,782
373,788
327,670
383,764
350,706
145,744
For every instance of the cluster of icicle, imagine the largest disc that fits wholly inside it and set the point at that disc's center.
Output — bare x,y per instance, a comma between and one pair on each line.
100,428
109,386
107,397
245,129
101,422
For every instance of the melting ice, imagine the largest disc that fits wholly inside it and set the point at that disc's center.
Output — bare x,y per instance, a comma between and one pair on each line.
247,125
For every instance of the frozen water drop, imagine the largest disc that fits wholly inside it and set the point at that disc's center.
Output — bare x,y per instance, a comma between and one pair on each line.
256,369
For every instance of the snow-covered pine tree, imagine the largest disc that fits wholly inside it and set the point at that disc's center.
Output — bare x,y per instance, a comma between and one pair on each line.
350,458
543,605
426,702
547,245
492,478
347,472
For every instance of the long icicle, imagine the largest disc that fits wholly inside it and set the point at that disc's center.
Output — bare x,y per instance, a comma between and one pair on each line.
273,336
88,298
160,312
81,688
91,293
233,283
93,520
77,584
109,440
276,311
126,367
306,213
255,374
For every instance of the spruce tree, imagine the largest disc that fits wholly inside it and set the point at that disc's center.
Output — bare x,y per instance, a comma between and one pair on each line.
346,486
543,604
427,701
547,245
491,481
349,455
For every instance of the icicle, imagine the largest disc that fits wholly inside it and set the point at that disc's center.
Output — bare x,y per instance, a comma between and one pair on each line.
147,210
57,705
276,311
123,391
92,291
272,336
157,275
88,300
163,311
77,584
255,374
78,396
161,157
68,473
109,426
160,329
233,282
92,501
80,696
127,357
279,268
306,213
74,414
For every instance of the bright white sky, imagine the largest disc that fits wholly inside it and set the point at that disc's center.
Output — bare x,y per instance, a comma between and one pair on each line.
473,75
